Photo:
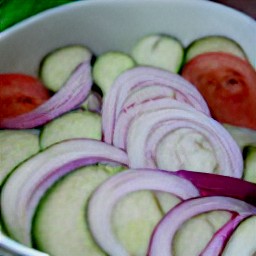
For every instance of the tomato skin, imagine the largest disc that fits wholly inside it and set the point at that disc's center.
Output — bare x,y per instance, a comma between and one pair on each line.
228,85
19,94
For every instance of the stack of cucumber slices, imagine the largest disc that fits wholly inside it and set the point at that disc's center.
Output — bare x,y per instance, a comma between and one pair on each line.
146,152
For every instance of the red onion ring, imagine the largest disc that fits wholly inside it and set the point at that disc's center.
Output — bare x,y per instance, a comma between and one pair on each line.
218,241
141,77
149,129
67,98
146,94
161,240
106,196
216,185
93,102
25,187
126,116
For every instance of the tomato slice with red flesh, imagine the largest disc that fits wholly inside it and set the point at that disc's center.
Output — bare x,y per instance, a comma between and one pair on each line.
228,85
19,94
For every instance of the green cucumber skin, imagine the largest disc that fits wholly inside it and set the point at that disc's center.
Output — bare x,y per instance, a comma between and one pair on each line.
250,163
134,217
62,182
21,138
128,214
30,133
196,43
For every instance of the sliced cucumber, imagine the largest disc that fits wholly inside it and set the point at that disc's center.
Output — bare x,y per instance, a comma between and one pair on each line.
243,136
214,44
60,227
250,164
62,213
243,240
16,146
134,219
108,67
195,233
160,51
58,65
76,124
166,201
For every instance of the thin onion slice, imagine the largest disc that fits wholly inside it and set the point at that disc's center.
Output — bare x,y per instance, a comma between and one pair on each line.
110,192
216,185
25,187
126,116
220,238
151,129
162,237
67,98
146,94
141,77
93,102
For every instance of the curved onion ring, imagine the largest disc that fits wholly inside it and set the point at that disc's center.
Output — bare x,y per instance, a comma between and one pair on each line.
149,129
218,185
28,183
218,241
161,240
107,195
141,77
67,98
126,116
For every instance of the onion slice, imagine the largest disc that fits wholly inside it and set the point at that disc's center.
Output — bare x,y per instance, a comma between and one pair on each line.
146,94
126,116
110,192
162,237
150,130
25,187
93,102
216,185
67,98
220,238
141,77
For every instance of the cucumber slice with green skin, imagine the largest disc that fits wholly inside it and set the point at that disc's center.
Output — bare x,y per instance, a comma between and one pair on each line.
16,147
60,227
57,66
62,211
136,215
196,233
161,51
243,240
76,124
108,67
214,44
250,164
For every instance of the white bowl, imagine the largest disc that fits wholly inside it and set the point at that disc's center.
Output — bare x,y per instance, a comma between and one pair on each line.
105,25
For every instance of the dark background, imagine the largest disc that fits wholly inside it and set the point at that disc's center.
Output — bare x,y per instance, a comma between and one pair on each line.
246,6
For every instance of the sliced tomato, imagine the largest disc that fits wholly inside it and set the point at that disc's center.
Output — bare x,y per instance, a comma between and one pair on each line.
20,94
228,85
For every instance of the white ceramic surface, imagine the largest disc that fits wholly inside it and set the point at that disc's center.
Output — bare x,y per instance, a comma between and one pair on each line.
115,25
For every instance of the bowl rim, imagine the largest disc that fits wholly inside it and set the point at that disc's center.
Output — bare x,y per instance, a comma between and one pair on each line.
73,5
6,242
